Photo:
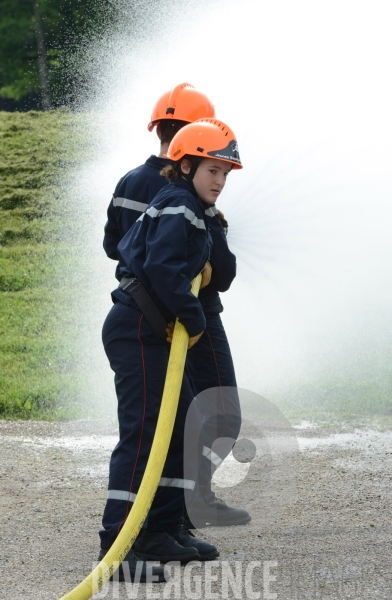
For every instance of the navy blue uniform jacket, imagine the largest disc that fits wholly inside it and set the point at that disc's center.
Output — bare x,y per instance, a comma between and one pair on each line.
132,196
167,247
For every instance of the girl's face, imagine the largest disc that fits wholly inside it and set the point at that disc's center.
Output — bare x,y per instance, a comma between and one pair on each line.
210,178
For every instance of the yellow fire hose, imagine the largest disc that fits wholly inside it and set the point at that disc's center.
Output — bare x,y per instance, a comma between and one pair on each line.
156,461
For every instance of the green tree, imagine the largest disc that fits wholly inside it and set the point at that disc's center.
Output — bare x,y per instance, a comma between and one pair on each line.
17,49
37,37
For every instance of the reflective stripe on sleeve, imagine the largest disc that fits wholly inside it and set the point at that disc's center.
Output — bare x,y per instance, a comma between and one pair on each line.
212,456
175,210
212,211
131,204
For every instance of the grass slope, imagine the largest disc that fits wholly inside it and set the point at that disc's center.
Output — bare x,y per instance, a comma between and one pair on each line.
36,151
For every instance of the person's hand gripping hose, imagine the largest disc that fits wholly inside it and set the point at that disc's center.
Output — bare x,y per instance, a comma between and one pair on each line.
192,340
205,280
152,475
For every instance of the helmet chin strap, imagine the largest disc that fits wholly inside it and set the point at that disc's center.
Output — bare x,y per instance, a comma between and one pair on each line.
195,164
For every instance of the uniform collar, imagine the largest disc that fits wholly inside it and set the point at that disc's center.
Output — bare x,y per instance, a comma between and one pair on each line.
209,209
185,185
157,161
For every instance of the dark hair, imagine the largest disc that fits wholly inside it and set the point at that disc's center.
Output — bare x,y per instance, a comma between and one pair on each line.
167,129
171,172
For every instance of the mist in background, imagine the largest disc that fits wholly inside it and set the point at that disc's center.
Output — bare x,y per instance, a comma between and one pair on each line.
307,90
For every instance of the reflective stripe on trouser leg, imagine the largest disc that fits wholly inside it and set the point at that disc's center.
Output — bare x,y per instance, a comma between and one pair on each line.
212,456
164,482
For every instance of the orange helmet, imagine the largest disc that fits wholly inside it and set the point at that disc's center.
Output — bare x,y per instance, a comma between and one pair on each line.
205,138
183,103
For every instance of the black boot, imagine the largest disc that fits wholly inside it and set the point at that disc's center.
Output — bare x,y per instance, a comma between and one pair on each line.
210,510
184,537
134,569
160,545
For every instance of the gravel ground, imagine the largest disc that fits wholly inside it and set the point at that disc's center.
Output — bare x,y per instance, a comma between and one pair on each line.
325,530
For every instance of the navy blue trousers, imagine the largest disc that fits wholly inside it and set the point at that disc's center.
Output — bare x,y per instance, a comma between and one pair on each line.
211,373
139,360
